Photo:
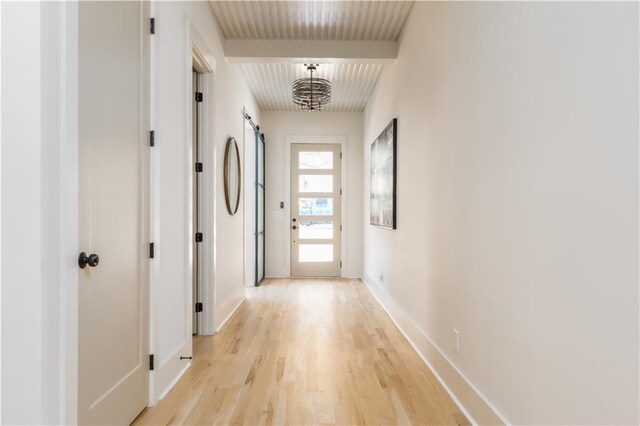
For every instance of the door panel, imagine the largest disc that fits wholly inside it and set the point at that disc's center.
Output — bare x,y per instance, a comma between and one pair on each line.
316,210
113,206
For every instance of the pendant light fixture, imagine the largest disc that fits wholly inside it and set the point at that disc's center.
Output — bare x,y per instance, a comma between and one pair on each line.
311,93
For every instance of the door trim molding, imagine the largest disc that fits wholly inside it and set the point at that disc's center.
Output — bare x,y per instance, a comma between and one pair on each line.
337,139
169,367
58,400
69,199
206,61
205,65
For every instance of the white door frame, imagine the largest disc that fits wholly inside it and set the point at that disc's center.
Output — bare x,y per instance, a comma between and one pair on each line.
206,67
55,26
168,373
47,52
207,183
67,21
341,140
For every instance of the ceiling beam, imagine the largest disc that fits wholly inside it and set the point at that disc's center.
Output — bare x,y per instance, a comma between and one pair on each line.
315,51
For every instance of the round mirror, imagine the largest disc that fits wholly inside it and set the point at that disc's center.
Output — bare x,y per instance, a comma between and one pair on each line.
232,176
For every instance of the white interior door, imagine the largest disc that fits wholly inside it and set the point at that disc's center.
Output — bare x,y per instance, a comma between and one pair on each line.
315,210
113,167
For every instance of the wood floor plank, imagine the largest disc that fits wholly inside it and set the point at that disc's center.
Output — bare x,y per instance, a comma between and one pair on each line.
312,351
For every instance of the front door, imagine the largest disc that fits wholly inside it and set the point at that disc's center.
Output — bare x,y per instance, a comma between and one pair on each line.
315,210
113,134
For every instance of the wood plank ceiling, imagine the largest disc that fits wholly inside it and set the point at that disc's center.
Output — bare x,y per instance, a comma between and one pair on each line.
323,20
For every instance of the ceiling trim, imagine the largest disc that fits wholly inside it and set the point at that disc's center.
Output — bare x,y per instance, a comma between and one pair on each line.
316,51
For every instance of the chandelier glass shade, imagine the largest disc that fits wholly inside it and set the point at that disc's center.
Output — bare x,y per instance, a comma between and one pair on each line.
311,93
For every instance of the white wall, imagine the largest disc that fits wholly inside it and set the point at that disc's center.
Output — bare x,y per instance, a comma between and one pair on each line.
517,205
178,25
276,125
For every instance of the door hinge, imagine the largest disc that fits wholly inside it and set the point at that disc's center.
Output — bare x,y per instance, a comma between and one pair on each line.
152,250
199,97
199,237
152,138
341,156
151,362
152,25
199,307
198,167
340,228
341,263
340,191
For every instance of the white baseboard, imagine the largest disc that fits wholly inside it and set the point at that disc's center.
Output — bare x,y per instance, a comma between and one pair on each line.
166,374
173,383
472,403
288,277
223,312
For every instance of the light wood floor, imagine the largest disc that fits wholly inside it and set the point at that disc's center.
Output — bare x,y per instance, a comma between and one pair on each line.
306,352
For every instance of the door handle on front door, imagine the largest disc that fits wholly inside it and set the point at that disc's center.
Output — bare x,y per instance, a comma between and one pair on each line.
91,260
294,227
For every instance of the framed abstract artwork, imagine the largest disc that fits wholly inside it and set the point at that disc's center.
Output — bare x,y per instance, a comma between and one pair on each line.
383,178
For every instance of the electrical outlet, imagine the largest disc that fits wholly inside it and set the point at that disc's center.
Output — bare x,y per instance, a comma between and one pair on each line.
456,340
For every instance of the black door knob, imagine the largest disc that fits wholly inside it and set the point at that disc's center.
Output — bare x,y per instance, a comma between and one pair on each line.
294,227
91,260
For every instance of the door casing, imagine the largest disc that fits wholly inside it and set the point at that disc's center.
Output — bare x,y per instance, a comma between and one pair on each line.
204,64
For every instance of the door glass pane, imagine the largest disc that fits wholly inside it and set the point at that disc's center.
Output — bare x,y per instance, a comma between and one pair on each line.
316,230
315,160
315,253
315,206
260,161
315,183
260,242
260,209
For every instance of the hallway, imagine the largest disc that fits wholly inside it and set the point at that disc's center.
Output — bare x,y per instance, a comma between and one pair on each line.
306,352
462,175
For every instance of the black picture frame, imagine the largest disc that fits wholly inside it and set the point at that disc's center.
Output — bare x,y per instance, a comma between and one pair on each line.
382,188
